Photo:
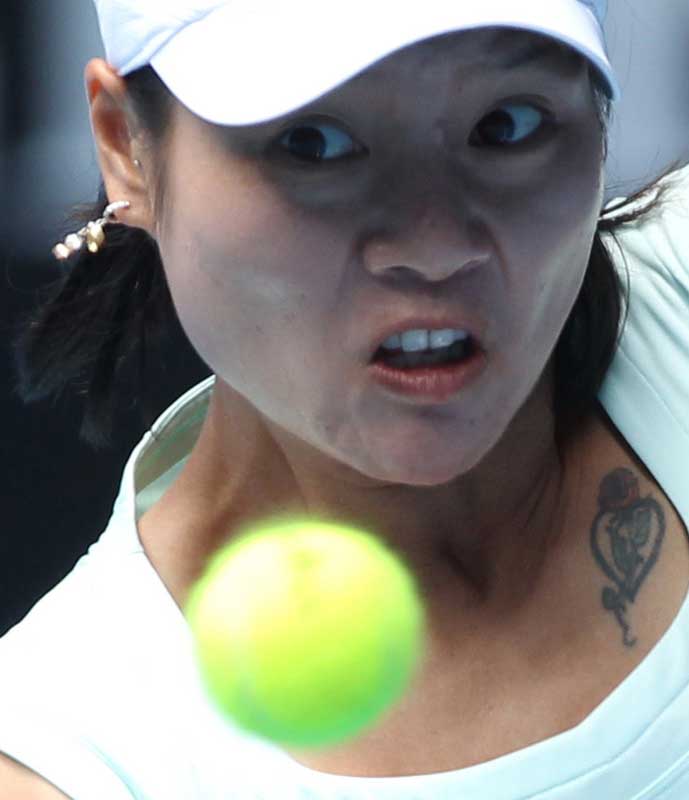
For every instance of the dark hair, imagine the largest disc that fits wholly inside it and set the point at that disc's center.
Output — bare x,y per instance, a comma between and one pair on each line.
107,309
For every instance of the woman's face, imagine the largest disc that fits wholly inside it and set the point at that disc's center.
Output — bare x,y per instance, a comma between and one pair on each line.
434,182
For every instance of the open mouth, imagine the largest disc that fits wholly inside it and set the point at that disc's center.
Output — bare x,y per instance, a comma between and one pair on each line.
460,351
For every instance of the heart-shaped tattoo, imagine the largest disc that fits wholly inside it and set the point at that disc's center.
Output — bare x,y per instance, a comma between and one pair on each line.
626,537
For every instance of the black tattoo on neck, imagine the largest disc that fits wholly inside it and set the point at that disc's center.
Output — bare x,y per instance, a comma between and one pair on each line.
626,536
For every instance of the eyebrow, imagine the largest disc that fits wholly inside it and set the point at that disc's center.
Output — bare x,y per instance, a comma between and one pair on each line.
529,53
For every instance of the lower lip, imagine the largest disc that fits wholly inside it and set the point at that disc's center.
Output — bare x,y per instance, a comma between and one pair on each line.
436,384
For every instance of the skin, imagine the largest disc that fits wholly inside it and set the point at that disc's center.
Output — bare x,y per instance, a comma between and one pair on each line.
282,273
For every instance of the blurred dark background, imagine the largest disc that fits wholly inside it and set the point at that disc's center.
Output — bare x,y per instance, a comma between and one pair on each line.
56,492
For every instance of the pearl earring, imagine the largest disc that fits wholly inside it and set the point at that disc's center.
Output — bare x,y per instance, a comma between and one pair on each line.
92,233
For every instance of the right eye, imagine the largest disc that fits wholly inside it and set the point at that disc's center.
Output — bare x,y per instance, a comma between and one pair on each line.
314,141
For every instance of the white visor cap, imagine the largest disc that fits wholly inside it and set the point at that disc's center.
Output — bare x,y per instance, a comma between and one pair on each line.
241,62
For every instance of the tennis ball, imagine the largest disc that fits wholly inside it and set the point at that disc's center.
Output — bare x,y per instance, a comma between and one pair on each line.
305,632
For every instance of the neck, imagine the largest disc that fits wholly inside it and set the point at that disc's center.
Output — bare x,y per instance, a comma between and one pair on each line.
481,542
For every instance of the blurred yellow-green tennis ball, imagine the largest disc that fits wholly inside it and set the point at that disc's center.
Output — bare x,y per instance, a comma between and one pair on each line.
306,632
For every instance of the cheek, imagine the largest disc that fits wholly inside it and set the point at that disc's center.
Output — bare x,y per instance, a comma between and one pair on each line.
562,199
246,277
551,242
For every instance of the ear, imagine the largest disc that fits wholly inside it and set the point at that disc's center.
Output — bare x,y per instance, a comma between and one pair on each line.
117,146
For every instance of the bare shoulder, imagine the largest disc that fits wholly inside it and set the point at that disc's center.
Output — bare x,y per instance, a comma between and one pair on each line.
638,542
18,782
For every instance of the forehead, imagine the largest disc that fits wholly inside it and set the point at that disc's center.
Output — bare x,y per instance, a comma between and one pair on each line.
480,49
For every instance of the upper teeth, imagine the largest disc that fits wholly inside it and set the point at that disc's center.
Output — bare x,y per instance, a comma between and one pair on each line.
414,341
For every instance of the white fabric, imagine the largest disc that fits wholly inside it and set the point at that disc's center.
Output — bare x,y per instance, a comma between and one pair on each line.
240,62
98,686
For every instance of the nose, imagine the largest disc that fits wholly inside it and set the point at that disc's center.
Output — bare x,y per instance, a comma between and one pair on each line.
432,242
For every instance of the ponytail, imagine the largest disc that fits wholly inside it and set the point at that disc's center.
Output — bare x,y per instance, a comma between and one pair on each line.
104,314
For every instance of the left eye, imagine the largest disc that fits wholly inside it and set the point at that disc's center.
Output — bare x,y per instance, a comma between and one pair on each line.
315,141
511,124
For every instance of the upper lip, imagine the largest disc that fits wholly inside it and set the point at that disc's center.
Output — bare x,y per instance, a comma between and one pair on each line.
474,327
